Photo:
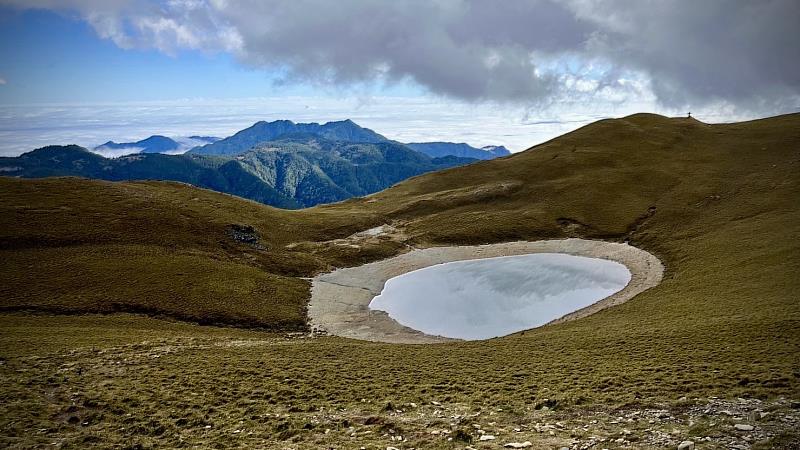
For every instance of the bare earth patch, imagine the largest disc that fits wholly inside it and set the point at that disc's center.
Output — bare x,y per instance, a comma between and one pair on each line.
340,299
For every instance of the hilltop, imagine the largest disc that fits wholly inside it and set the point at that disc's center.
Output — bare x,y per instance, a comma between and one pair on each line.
716,203
344,130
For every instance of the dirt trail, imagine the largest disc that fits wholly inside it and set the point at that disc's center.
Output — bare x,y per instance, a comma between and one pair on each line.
340,299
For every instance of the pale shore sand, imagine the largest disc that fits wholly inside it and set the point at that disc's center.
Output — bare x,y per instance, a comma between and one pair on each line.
340,299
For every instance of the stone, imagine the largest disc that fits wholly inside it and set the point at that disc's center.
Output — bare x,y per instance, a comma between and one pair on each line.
487,437
525,444
686,445
743,427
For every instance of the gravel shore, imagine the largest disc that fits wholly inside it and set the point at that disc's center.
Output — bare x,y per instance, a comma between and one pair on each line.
340,299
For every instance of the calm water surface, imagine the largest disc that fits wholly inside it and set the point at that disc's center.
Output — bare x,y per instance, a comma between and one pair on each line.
484,298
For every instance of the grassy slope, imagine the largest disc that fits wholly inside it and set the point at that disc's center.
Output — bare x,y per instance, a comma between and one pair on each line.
718,204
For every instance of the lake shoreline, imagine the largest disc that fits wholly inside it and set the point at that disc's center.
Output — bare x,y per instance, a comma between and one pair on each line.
340,299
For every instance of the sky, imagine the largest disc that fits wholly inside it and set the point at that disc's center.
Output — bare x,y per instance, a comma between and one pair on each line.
514,72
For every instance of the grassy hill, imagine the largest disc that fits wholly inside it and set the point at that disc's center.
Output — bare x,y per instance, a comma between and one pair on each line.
717,203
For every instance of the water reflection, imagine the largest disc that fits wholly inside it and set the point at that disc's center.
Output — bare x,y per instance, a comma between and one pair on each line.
480,299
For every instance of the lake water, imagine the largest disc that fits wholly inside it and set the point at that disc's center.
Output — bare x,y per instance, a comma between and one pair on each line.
484,298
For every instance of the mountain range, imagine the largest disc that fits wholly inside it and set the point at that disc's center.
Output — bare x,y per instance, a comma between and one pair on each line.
344,130
294,171
279,163
246,139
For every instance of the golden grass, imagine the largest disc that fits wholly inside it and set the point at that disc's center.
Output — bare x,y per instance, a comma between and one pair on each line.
717,203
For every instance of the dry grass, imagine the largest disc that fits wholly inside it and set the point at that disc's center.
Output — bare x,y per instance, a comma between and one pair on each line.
718,204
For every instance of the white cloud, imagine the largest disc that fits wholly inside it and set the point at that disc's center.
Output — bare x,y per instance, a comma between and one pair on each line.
406,119
116,152
693,53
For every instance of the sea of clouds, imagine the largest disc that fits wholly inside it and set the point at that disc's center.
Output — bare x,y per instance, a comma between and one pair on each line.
407,119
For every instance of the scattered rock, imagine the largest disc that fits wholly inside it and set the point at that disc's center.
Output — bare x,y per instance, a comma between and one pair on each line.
743,427
245,234
487,437
525,444
686,445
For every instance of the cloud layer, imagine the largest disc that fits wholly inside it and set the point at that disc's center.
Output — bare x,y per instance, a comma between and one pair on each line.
528,52
406,119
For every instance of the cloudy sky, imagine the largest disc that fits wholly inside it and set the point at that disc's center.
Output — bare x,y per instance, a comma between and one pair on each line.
513,72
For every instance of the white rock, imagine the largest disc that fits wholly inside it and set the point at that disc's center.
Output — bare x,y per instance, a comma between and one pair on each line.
487,437
743,427
525,444
686,445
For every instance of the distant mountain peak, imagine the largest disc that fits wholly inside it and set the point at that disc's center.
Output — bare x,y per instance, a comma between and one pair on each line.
498,150
460,149
153,144
262,131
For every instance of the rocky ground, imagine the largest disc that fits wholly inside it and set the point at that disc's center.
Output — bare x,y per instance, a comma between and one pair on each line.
688,424
81,410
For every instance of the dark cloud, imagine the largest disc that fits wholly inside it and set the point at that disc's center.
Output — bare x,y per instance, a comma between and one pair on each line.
740,52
